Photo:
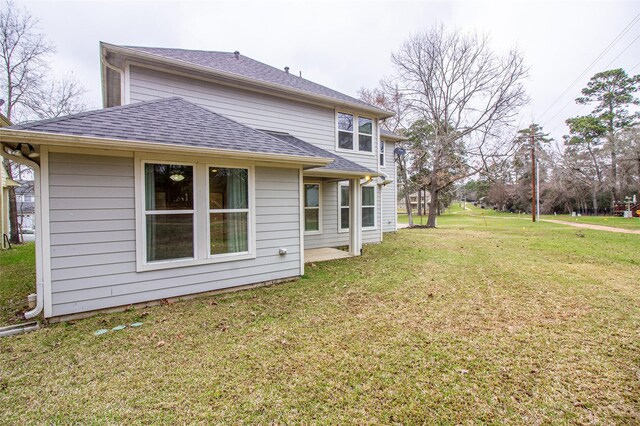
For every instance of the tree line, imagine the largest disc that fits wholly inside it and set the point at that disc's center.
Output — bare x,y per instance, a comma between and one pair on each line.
457,102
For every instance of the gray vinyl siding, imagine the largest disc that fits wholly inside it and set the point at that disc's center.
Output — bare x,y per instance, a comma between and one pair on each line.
313,124
92,221
389,192
330,236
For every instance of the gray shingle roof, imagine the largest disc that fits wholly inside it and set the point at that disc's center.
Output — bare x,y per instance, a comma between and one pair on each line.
167,121
247,67
338,164
386,133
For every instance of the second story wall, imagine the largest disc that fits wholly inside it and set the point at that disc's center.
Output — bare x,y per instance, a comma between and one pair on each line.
311,123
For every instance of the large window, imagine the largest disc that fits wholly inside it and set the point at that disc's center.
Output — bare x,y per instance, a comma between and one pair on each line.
193,213
312,213
368,207
354,133
169,211
228,210
343,207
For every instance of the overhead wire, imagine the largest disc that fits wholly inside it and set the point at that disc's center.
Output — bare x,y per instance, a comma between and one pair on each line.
622,33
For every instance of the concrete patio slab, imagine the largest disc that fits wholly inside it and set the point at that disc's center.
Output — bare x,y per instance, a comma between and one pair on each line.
324,254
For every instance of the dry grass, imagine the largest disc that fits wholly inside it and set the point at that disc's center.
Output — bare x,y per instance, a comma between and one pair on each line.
507,322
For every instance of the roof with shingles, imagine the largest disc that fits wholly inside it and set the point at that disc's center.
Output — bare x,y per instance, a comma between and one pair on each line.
168,121
250,68
338,164
384,133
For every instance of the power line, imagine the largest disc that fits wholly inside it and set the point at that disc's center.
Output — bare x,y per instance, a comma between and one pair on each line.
586,70
624,50
620,54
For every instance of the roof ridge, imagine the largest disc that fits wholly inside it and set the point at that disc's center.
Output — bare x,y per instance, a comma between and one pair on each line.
35,123
180,48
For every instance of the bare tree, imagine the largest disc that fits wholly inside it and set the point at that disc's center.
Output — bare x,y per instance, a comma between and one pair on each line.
467,93
23,83
389,97
58,98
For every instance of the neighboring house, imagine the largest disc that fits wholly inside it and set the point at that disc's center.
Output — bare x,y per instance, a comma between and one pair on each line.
205,171
5,184
413,199
25,206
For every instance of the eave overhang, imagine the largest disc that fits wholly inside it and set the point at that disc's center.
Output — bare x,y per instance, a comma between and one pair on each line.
70,141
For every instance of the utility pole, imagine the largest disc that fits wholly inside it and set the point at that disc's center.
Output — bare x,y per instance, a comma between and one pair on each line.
533,173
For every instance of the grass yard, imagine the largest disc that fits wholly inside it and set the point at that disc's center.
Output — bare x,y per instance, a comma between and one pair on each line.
479,321
17,281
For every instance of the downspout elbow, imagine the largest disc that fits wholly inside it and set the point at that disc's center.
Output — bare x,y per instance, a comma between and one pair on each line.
39,302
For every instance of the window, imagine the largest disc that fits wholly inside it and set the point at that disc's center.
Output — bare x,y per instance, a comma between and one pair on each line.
228,210
368,207
191,214
365,134
312,208
343,207
349,133
381,153
345,131
169,211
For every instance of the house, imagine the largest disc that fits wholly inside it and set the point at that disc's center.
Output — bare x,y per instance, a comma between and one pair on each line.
204,171
25,206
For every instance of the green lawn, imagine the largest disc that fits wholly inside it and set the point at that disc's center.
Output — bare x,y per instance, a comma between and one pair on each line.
479,321
616,222
17,280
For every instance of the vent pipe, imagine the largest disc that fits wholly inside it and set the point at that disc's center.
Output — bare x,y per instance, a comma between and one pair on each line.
236,54
286,69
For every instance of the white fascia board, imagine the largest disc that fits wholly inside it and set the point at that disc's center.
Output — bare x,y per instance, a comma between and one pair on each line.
324,100
54,139
339,174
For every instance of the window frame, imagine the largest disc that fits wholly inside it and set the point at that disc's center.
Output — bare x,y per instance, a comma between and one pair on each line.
340,206
374,206
304,207
250,222
201,227
382,151
356,133
145,213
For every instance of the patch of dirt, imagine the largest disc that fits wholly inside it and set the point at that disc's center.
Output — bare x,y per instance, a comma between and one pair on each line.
592,226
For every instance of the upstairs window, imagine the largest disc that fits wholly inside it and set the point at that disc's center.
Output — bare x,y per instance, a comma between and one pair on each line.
354,133
345,131
365,134
381,153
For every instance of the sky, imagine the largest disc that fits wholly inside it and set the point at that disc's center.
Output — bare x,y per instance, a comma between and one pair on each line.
347,44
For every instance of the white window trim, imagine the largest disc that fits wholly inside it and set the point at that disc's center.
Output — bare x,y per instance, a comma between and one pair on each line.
319,183
341,185
251,214
375,207
356,142
201,233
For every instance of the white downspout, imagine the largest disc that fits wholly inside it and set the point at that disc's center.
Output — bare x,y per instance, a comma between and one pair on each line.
38,234
104,61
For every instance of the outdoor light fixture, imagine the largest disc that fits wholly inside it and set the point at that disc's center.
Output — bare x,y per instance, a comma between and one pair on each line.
32,152
176,177
15,152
